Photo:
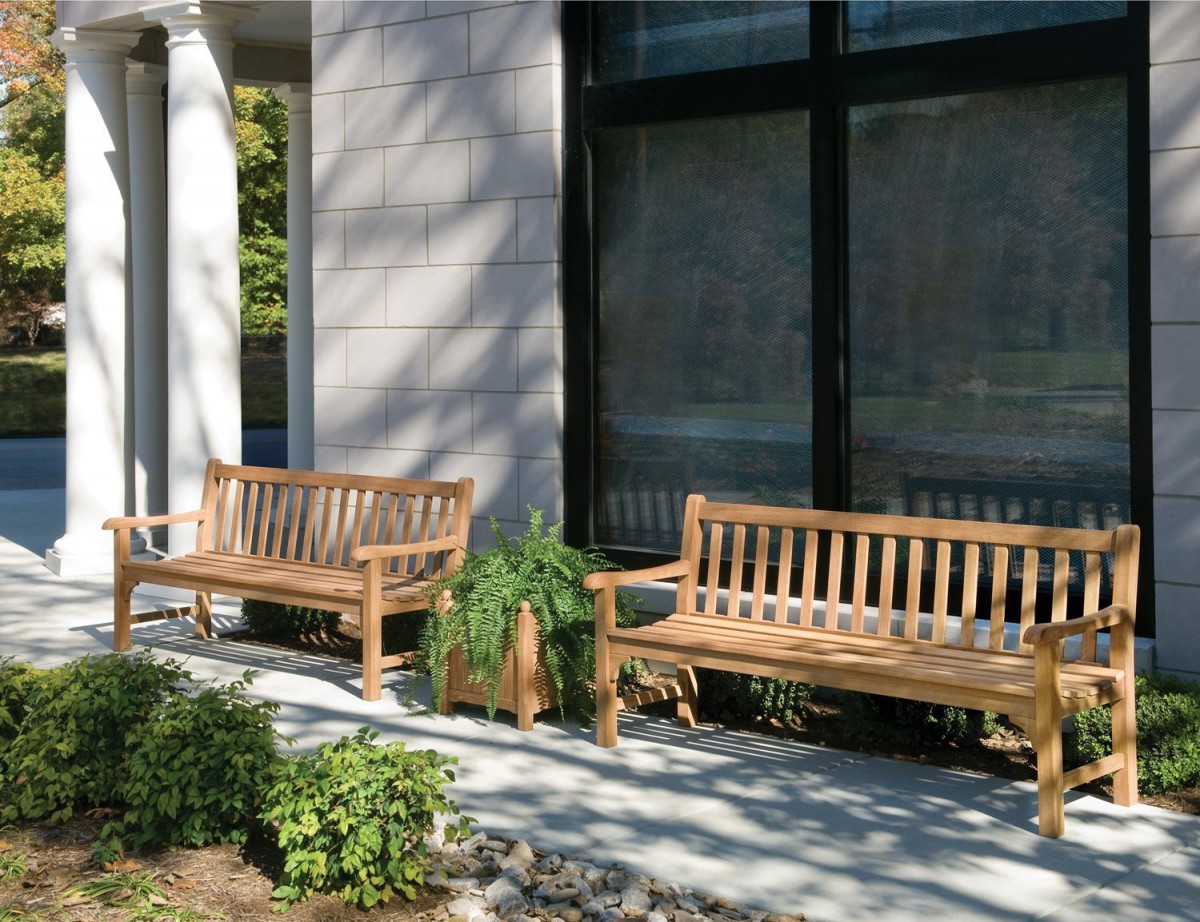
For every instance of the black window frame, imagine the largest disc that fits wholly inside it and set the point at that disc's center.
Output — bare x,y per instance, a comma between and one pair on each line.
827,84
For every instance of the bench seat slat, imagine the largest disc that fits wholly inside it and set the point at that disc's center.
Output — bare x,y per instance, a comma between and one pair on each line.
922,654
1013,681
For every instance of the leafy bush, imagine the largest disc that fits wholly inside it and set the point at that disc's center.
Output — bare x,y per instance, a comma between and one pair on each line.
1168,733
195,769
488,590
275,621
351,818
69,749
898,722
18,681
730,695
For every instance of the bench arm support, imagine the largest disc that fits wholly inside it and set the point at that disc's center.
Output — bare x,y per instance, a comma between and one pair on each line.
1113,616
381,551
609,579
146,521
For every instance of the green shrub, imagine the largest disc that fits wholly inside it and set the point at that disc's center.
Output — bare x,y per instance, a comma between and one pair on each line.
898,722
18,682
70,746
726,695
351,818
275,621
195,770
1168,733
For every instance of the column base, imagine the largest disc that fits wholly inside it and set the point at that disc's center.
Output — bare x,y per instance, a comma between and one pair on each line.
78,564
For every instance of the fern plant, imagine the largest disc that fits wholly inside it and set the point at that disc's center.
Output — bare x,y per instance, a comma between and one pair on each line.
487,591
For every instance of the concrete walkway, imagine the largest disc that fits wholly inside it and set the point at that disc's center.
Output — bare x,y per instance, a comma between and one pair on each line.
838,836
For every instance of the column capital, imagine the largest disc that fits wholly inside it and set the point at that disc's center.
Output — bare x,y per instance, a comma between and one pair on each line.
142,79
94,46
298,96
199,21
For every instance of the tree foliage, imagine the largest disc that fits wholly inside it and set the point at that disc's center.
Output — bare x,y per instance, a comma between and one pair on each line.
260,124
32,215
32,188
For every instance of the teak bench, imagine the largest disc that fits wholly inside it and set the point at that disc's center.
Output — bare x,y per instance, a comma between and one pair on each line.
952,653
364,546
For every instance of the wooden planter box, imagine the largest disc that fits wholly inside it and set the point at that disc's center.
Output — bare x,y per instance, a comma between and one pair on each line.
525,689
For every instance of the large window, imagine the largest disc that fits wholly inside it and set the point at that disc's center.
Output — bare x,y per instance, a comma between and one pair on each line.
879,256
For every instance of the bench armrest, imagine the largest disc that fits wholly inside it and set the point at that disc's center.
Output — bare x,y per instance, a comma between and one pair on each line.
607,579
1061,630
381,551
145,521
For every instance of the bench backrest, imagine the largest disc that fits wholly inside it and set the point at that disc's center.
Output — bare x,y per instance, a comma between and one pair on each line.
842,561
319,518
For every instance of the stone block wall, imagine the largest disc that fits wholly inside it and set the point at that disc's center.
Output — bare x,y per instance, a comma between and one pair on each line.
437,150
1175,332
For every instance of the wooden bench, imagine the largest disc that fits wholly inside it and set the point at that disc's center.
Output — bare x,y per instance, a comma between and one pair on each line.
364,546
951,651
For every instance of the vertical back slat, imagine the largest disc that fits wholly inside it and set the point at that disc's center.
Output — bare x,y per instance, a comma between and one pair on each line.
264,519
912,604
372,535
970,593
281,504
808,581
305,551
833,591
356,523
294,525
783,584
405,536
862,555
251,508
235,526
339,534
999,594
220,537
321,551
389,529
887,586
941,591
1091,601
1029,580
733,604
1062,573
760,573
715,540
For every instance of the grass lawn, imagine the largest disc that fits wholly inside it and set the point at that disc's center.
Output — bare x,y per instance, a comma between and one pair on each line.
33,391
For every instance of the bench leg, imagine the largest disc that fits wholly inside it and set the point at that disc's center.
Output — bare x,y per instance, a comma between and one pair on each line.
686,711
1048,745
204,615
122,617
370,622
606,702
1124,743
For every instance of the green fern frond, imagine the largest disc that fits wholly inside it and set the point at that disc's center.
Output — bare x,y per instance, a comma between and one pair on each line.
488,589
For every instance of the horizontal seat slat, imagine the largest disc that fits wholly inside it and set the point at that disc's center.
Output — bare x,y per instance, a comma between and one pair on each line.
922,649
1014,675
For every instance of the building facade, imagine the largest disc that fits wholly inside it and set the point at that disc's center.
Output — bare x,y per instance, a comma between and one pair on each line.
935,259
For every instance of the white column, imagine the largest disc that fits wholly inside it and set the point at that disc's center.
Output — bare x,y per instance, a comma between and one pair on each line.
203,317
97,236
148,204
300,297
